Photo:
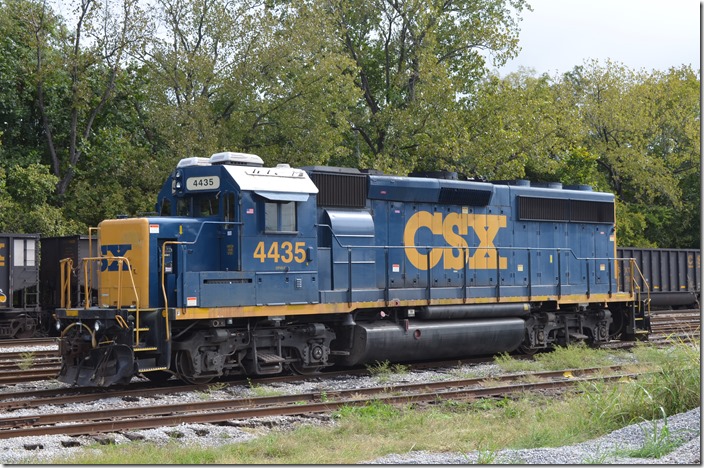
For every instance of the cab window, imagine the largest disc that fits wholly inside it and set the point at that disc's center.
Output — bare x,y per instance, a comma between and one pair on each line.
207,205
165,207
280,217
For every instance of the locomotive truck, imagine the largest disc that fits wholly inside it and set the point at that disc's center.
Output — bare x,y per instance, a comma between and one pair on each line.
261,270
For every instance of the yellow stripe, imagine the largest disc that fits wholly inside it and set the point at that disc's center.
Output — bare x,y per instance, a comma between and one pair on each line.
191,313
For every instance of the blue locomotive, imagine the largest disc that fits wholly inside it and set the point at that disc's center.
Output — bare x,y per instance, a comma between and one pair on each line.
255,270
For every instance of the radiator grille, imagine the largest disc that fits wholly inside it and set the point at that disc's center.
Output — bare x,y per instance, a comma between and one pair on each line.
341,190
458,196
552,209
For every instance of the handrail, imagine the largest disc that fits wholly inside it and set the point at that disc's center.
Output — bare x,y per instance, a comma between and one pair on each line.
634,283
65,267
120,262
163,282
89,277
611,272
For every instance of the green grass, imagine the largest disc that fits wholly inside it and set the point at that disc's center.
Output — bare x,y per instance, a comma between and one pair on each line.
358,434
658,442
577,356
384,370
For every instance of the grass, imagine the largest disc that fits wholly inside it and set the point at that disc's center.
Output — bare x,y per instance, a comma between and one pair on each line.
658,442
384,370
363,433
577,356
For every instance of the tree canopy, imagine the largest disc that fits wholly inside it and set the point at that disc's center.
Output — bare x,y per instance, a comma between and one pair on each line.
100,99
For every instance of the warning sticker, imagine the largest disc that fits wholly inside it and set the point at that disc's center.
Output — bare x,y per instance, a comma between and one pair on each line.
192,301
153,229
395,268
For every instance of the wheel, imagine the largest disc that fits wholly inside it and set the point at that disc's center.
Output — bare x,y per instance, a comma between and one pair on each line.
25,326
184,370
296,368
527,350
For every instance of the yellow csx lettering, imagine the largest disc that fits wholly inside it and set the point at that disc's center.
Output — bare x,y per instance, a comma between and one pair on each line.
454,229
2,257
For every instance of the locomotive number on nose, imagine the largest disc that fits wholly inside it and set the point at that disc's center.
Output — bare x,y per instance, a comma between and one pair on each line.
203,183
285,252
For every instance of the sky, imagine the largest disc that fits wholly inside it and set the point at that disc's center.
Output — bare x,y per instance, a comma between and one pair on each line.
642,34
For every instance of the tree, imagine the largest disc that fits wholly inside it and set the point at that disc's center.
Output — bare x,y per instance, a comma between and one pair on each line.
635,134
248,77
415,58
644,129
75,72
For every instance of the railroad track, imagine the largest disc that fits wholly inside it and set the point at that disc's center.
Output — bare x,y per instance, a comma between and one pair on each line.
685,321
18,342
218,411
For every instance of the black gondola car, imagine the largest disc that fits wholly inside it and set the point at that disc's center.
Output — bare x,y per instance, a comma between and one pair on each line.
20,313
673,276
53,251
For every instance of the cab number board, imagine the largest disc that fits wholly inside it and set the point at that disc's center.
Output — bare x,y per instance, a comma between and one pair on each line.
203,183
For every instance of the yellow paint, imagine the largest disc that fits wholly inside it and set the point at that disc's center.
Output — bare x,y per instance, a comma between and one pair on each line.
133,237
455,230
192,313
2,257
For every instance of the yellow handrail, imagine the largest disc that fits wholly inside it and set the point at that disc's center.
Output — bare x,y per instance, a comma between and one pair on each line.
163,283
66,266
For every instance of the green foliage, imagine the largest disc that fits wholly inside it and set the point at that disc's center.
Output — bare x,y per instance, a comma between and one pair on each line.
413,59
577,356
397,86
373,410
384,370
672,388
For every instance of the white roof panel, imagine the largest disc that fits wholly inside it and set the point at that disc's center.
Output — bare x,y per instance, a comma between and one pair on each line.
272,179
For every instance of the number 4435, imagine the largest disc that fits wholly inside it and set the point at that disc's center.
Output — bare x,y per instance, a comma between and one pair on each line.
285,252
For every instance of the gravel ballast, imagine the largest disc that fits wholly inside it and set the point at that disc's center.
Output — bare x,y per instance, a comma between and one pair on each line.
607,449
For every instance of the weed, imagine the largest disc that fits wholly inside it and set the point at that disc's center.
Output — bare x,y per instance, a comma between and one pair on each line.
658,442
597,458
508,363
212,388
372,410
384,370
486,457
26,361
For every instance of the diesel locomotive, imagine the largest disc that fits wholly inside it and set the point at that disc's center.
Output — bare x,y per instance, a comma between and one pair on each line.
255,270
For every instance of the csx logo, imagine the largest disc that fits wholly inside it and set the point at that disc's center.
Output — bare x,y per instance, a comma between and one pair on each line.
117,250
454,229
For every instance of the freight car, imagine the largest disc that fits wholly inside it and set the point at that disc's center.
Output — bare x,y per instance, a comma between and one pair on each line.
29,272
673,277
65,253
254,270
20,312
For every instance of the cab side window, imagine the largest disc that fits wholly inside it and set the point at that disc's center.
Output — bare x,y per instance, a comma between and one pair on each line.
280,217
165,207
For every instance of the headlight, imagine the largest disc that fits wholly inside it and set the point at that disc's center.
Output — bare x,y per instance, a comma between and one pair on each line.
58,325
97,325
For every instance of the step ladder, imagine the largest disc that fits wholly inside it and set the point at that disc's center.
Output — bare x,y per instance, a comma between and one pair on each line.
152,352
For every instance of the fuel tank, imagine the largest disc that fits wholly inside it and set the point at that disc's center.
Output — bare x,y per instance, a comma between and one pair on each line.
425,340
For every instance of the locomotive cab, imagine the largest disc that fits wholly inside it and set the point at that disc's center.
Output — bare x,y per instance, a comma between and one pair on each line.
231,235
